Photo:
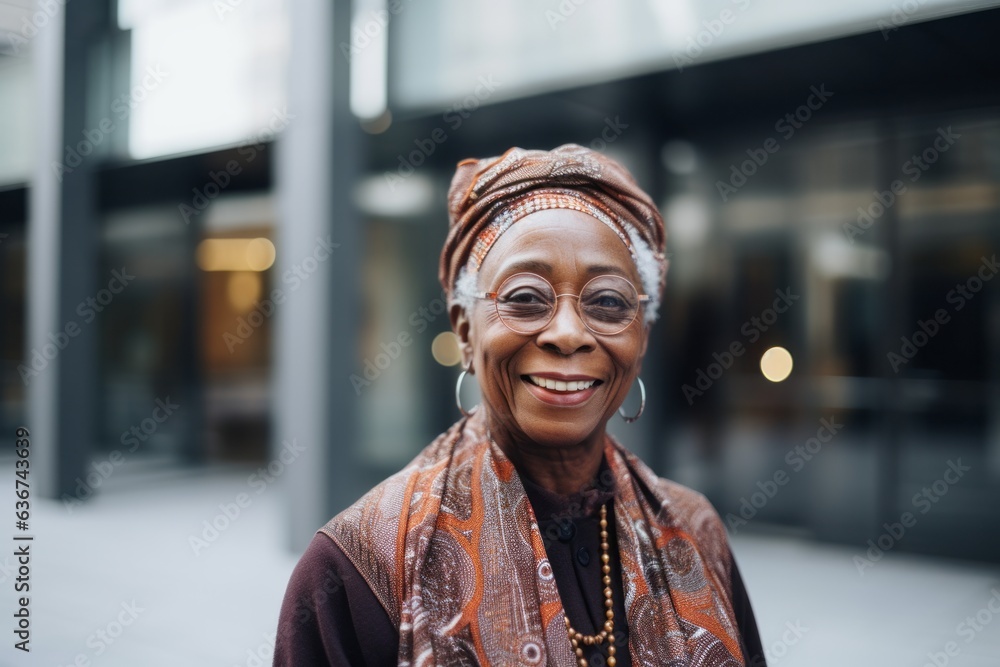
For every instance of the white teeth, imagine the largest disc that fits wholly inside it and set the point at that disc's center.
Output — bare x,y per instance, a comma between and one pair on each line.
560,385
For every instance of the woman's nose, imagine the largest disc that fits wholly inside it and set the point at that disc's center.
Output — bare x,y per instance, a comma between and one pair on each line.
566,331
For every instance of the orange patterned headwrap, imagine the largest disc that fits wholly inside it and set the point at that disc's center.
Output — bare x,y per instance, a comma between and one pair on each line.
487,196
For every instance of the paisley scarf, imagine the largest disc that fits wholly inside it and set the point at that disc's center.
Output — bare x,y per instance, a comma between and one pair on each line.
451,548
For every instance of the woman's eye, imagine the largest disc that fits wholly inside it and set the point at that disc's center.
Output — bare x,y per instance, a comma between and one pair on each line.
607,300
524,297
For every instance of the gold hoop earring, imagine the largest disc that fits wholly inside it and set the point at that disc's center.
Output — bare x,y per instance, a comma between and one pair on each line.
458,394
642,404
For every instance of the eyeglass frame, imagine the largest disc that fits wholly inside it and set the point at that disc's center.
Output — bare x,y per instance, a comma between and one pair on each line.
492,296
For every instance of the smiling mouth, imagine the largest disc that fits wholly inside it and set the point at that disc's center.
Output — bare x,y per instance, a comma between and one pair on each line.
565,386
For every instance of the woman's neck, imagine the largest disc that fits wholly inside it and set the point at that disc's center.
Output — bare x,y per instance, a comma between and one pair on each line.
562,469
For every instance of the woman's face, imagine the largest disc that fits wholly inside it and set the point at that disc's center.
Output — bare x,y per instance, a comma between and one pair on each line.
567,248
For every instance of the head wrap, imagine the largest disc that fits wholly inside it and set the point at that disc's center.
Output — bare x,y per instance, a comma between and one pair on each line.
487,196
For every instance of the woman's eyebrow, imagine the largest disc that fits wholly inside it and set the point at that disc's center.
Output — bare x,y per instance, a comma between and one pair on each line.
532,265
600,269
541,266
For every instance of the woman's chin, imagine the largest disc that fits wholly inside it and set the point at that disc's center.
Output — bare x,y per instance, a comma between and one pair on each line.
556,432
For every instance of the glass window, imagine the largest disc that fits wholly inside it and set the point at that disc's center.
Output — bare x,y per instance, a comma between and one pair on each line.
16,116
12,304
204,74
444,50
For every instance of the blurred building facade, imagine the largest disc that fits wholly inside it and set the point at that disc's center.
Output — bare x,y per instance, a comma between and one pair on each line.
230,242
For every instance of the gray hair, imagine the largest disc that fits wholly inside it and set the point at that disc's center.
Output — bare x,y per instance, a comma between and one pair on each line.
467,282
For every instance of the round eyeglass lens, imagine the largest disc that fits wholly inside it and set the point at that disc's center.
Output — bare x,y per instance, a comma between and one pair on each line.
525,302
609,304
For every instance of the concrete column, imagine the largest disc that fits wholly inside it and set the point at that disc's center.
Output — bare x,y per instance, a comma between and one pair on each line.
61,347
316,326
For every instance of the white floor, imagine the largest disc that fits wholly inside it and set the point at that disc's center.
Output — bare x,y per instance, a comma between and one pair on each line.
905,610
125,556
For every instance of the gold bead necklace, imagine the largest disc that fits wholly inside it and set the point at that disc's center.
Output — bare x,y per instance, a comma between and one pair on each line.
579,640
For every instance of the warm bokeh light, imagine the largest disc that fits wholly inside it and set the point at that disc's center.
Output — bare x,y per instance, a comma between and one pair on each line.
260,254
445,349
235,254
243,289
776,364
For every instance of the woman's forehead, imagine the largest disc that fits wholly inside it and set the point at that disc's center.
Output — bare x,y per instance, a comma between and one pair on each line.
559,240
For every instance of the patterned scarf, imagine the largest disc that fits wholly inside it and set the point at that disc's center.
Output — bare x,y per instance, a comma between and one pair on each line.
451,548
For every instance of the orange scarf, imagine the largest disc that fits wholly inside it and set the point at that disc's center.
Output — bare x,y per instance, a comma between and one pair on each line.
451,548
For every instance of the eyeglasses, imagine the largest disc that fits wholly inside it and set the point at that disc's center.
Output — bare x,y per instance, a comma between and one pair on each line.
526,303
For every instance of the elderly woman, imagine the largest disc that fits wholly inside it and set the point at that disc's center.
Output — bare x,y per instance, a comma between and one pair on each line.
525,534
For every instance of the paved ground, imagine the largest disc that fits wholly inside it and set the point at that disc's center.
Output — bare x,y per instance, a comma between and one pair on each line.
126,556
